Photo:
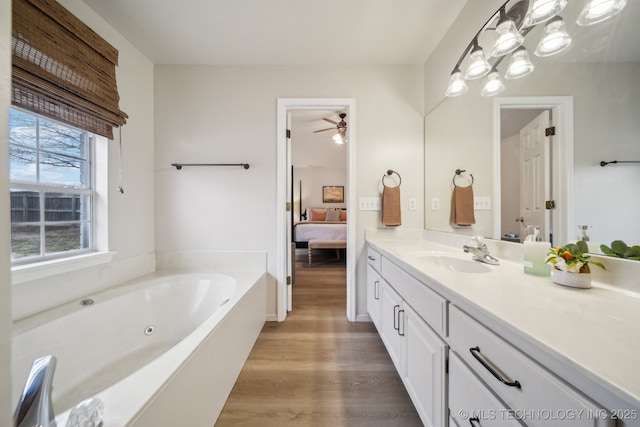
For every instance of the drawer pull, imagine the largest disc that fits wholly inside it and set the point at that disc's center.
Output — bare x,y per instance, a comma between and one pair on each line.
475,351
474,421
396,326
400,333
376,289
371,258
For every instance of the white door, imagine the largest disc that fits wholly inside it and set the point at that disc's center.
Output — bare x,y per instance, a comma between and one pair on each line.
290,258
535,173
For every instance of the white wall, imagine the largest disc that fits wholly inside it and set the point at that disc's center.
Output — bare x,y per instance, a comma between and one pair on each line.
131,215
510,188
218,114
6,412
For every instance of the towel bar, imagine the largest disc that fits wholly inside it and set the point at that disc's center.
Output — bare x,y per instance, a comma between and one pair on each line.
180,165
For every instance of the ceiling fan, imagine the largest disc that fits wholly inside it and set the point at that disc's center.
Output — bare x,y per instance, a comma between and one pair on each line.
340,126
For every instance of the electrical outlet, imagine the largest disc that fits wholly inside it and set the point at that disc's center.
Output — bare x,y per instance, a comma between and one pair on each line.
412,204
435,204
482,203
369,203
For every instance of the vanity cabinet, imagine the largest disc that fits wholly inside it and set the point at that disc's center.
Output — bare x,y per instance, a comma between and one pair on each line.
459,372
417,351
531,392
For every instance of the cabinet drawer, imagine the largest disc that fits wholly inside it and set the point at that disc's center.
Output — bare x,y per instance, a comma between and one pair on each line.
427,303
469,399
374,259
536,395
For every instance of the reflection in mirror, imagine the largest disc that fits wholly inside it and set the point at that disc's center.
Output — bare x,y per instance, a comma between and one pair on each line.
599,72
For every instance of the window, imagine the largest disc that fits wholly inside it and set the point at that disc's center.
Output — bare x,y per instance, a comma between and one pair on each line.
51,189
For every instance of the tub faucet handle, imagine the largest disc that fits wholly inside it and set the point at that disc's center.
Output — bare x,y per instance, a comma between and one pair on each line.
35,407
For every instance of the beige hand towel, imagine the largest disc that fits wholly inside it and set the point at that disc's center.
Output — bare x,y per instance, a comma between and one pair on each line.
462,206
391,215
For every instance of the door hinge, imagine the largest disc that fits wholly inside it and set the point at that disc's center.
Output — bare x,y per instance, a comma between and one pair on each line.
550,131
550,204
288,133
288,280
288,206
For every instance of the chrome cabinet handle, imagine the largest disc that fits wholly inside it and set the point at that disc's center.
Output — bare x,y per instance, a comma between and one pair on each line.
376,289
475,351
400,333
396,326
371,258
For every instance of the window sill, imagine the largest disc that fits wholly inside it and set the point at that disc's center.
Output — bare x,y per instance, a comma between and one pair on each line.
41,270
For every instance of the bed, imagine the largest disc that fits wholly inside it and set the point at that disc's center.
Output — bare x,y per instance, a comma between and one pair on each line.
322,224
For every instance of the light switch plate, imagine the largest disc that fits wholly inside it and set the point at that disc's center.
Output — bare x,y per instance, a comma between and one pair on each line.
482,203
369,203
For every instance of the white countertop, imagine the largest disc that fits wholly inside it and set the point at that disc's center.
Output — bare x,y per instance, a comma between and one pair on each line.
589,337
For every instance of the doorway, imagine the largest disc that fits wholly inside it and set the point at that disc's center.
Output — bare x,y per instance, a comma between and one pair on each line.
560,166
285,255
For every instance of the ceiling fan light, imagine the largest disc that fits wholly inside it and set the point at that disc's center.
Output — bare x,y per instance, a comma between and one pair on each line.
520,65
509,39
493,86
543,10
555,38
457,86
337,138
600,10
478,65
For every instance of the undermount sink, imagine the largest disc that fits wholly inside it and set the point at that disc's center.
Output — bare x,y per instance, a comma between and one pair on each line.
451,262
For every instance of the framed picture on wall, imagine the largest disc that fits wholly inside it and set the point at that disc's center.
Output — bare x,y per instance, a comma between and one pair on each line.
333,194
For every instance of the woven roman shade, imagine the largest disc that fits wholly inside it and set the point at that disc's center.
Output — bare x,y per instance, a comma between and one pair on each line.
62,69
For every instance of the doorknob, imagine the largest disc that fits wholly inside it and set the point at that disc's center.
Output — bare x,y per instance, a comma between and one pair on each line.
520,219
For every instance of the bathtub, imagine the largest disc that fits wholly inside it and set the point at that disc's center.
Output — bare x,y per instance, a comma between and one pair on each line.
162,350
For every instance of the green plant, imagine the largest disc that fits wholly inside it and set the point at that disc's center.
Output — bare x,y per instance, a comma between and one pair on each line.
572,257
620,249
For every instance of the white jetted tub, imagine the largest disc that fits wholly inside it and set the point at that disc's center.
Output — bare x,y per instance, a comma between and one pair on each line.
160,351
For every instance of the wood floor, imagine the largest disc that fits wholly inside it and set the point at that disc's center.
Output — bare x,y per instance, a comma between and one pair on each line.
316,368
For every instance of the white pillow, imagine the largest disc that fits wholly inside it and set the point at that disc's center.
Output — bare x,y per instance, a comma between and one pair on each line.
332,214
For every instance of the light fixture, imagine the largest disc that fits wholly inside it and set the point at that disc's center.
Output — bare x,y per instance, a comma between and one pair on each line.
555,38
494,85
478,64
543,10
337,138
509,39
599,10
519,65
457,86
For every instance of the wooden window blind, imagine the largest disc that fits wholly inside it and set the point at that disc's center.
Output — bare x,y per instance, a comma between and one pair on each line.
62,69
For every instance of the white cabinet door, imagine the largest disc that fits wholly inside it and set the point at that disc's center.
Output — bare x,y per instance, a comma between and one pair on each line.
424,373
389,320
373,295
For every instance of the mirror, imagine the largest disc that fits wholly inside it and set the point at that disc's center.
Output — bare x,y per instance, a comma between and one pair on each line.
597,79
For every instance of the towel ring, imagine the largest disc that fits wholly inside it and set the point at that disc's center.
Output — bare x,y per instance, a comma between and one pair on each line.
391,172
458,173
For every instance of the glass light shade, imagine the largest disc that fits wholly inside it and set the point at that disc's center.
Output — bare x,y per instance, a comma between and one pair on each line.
478,65
554,40
520,65
543,10
337,138
493,86
509,39
457,86
599,10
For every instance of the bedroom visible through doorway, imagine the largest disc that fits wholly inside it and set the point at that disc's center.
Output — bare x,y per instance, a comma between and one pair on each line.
315,186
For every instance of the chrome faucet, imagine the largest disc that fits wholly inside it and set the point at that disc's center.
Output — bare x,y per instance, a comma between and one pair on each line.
480,251
35,407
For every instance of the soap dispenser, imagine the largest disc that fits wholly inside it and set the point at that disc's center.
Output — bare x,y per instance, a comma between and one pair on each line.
535,253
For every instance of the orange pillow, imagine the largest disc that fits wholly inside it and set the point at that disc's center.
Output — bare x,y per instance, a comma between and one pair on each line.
343,215
317,214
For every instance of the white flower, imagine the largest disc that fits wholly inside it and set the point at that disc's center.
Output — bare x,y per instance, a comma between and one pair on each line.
574,267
